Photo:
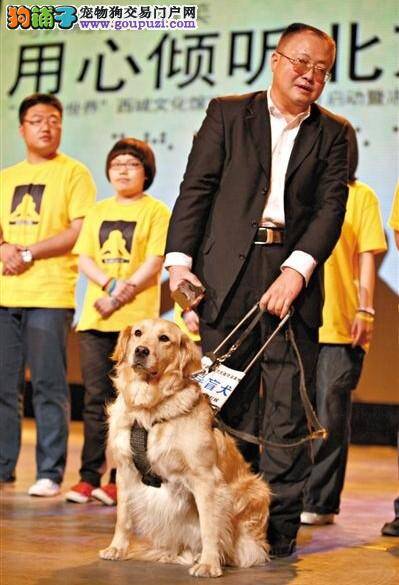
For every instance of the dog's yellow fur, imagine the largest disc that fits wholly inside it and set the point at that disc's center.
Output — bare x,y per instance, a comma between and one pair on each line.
210,510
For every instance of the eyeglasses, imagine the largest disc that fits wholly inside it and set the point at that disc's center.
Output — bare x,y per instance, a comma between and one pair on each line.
302,65
52,121
130,166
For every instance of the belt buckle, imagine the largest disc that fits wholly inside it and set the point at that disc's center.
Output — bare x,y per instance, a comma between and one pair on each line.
261,229
269,239
269,236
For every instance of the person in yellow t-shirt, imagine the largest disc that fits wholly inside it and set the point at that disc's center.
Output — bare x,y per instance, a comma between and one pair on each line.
393,221
43,201
120,249
392,528
348,318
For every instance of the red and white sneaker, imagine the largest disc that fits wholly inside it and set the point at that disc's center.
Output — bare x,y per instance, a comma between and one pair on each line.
107,494
80,493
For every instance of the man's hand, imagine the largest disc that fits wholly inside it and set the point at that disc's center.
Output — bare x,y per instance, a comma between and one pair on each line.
124,292
361,331
279,297
106,306
10,255
179,273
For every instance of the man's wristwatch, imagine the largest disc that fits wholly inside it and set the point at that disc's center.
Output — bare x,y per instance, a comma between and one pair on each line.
26,256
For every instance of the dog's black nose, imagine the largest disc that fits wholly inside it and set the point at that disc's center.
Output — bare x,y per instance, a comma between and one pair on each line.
141,351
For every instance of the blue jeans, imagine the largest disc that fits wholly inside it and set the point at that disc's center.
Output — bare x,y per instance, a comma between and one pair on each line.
338,372
35,338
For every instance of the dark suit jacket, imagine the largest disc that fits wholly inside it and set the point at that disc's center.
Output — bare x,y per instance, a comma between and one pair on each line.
224,190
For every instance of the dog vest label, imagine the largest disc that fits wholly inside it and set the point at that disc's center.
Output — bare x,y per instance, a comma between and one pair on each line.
218,383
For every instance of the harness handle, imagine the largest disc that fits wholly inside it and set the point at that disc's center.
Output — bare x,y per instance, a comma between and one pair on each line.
268,340
236,328
316,430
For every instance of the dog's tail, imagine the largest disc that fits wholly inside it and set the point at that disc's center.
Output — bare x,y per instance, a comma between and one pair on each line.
141,550
250,552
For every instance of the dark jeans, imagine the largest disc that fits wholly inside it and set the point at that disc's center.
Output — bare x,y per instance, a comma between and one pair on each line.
96,349
338,372
277,413
35,338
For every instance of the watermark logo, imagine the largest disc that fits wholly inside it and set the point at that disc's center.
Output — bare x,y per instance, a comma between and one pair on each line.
41,17
100,17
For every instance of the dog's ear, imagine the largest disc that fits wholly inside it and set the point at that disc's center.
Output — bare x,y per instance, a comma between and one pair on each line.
121,345
190,359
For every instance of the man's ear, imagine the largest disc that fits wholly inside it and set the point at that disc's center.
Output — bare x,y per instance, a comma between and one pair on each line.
190,359
273,61
119,354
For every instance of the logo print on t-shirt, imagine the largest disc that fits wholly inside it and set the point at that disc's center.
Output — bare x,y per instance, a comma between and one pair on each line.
116,239
25,205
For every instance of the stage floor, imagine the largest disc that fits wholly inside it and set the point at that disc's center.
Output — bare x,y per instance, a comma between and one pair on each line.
51,542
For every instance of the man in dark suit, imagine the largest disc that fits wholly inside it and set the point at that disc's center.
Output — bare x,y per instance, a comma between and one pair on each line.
260,209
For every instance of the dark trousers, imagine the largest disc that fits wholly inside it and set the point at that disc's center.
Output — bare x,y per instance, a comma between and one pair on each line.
338,372
96,349
37,338
277,412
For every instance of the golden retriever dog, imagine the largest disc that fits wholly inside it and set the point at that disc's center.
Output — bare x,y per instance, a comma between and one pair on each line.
209,510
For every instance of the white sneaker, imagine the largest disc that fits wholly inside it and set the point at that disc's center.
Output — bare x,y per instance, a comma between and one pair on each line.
44,487
316,519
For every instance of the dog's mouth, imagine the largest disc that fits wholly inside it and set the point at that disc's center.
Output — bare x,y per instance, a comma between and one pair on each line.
140,368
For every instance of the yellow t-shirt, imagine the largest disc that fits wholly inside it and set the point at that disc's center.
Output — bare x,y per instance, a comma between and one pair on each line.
362,231
393,221
119,238
39,201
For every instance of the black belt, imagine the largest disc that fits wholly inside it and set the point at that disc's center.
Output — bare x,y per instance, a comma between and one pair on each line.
269,235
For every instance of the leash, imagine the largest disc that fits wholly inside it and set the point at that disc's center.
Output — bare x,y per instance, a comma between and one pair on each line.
315,429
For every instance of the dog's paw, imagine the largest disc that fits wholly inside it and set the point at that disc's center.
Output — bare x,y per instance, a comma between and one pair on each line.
112,553
206,570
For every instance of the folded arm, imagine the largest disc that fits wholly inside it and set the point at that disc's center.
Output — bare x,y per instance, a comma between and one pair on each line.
57,245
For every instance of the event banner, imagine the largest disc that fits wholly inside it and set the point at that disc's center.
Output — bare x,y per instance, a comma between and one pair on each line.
149,71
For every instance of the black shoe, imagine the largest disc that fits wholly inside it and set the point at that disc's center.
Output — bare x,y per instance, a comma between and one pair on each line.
282,548
8,479
391,528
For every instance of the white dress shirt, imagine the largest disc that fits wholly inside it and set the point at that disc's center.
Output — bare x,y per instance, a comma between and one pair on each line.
283,134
